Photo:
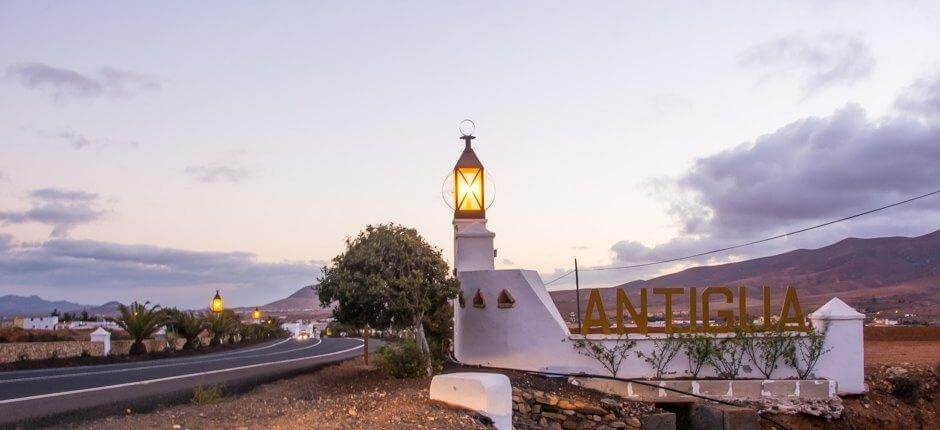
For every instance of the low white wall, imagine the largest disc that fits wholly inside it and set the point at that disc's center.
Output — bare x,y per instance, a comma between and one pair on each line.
532,335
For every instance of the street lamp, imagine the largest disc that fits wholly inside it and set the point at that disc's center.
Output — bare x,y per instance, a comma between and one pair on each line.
256,314
469,178
216,305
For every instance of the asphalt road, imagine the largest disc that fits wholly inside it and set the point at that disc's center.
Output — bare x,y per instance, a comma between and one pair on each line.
47,396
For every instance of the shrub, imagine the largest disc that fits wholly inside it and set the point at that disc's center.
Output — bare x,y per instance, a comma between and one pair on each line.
697,347
806,352
728,355
403,360
664,350
766,350
609,357
909,388
208,395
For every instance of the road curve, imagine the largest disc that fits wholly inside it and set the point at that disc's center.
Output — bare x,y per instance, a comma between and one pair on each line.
47,396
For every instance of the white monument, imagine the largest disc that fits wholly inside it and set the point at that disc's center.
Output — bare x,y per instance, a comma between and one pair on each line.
506,318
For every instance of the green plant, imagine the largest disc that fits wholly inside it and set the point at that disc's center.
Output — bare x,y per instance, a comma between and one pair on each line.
698,347
664,350
806,352
388,277
609,357
223,325
187,325
728,355
766,349
140,322
208,395
404,359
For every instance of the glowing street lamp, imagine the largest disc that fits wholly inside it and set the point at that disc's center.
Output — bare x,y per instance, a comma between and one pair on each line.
216,305
468,198
256,314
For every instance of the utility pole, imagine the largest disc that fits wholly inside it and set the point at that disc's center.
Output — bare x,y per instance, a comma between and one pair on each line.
577,292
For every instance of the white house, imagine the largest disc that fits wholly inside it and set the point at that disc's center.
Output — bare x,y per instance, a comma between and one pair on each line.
300,330
36,323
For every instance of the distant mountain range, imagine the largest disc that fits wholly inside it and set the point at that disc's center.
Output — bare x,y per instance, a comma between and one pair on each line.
12,305
881,274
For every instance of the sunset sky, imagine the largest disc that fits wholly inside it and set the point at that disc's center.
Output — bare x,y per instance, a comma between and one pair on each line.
160,151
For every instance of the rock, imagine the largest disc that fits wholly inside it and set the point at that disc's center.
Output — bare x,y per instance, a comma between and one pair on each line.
177,426
895,371
633,422
536,408
591,410
610,417
618,425
564,404
352,412
554,416
552,400
611,403
570,424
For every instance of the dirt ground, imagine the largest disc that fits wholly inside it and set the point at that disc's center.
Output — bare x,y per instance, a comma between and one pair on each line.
349,396
343,396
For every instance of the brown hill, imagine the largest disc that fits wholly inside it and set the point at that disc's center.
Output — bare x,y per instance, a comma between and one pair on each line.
304,299
881,274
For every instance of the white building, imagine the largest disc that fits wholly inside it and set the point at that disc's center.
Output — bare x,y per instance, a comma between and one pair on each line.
91,325
36,323
300,330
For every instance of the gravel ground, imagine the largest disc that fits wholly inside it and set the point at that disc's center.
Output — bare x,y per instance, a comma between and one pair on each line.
342,396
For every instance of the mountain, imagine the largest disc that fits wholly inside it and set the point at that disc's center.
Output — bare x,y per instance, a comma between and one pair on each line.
11,305
304,299
880,274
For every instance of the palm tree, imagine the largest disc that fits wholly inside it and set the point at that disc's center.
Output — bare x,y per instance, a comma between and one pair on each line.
222,324
140,322
187,325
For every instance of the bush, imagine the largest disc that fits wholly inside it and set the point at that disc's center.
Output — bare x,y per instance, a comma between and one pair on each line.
909,388
208,395
403,360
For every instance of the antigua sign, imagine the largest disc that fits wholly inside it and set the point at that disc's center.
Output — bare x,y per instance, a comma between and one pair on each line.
596,317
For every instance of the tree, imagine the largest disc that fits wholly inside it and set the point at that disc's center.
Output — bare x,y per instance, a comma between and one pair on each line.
140,322
223,324
85,316
187,325
388,277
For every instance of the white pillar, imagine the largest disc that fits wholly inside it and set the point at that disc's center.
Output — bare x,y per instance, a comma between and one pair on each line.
473,245
845,360
103,336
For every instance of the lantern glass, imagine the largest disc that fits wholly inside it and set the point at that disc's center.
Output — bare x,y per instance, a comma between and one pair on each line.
256,314
216,305
468,189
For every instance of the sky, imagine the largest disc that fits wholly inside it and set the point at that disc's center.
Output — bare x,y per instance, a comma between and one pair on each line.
162,151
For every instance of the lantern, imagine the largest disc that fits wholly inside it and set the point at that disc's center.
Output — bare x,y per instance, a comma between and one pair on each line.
216,305
256,314
469,178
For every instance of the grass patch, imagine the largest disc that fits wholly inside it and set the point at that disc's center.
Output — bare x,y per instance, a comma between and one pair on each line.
209,395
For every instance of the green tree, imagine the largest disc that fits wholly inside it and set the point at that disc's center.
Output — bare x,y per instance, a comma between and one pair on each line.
223,325
187,325
388,277
140,322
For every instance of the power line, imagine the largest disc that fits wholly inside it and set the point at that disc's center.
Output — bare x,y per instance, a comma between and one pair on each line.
755,242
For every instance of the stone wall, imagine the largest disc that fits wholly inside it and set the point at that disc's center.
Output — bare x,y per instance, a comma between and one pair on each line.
10,352
537,409
123,347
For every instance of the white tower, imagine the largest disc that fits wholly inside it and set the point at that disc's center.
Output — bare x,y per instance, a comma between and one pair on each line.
473,243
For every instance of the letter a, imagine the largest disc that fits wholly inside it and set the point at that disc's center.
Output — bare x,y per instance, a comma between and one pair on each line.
594,301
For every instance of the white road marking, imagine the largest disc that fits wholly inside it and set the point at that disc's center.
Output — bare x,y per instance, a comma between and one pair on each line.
170,378
155,366
128,365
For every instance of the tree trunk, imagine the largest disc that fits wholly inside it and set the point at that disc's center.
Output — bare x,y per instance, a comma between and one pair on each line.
365,351
422,342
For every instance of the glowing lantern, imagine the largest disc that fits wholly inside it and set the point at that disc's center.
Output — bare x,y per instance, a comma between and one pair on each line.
469,177
256,314
216,305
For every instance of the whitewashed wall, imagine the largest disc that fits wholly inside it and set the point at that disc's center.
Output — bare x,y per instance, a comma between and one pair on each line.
533,336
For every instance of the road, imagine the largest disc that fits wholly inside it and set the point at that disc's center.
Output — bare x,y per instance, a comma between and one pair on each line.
47,396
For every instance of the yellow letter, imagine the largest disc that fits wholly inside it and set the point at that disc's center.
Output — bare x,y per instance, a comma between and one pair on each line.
667,310
693,299
594,301
638,318
744,323
728,314
767,323
790,302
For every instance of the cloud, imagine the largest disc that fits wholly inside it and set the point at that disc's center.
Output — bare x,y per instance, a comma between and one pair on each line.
65,83
218,173
81,141
142,272
60,208
820,62
805,173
